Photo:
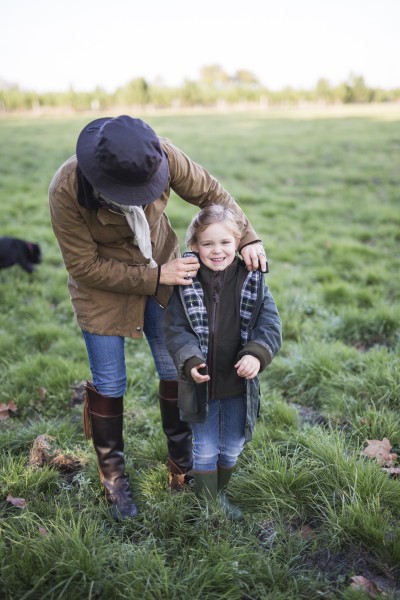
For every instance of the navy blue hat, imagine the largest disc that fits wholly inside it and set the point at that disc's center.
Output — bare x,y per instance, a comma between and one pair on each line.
123,160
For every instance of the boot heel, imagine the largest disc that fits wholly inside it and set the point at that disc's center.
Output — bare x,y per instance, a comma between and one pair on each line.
178,434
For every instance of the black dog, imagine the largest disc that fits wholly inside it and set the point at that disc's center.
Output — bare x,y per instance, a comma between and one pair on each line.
19,252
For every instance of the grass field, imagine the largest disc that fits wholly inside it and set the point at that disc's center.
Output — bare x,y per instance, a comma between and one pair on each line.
323,193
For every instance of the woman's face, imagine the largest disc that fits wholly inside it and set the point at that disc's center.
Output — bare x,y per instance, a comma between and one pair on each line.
216,246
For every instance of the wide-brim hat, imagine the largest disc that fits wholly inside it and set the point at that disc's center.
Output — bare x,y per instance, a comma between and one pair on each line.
123,160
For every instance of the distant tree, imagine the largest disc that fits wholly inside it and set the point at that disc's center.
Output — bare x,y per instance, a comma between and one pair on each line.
100,99
215,87
362,93
135,91
162,96
242,77
191,93
287,95
355,90
340,92
78,100
324,90
214,76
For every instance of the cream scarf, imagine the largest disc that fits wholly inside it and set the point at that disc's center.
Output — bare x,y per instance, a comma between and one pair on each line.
140,227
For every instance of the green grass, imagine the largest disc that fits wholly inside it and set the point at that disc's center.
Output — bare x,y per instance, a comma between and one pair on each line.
323,195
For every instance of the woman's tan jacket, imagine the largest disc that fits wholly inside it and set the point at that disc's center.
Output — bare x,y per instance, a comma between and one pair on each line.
109,278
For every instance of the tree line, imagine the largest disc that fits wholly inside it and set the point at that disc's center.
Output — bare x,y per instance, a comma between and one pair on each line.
214,87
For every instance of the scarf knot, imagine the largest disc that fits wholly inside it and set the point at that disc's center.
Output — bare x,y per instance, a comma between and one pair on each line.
138,223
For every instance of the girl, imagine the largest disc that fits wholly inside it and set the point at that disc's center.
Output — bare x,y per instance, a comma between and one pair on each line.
222,330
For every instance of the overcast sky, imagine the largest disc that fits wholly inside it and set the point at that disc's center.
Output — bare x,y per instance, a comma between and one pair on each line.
52,45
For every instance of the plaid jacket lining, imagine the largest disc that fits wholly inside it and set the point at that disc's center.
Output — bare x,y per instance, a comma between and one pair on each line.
194,300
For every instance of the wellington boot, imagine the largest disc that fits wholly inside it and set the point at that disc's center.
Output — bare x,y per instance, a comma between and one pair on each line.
206,484
179,437
231,511
103,421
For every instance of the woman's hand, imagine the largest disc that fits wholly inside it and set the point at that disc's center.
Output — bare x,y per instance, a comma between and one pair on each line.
179,271
248,366
254,257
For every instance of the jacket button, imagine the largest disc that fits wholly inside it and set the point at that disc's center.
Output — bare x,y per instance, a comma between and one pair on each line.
138,328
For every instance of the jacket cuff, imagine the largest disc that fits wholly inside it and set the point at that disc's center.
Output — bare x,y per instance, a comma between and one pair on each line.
189,364
249,244
158,279
259,352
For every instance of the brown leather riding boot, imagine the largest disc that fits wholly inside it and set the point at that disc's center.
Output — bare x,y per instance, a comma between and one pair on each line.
103,421
179,436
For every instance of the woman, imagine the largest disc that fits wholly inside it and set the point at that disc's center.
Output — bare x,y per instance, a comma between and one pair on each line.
107,208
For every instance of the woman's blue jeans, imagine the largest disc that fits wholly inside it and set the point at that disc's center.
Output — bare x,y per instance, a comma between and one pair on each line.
107,354
219,441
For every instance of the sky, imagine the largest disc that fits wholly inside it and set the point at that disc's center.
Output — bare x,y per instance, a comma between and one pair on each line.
49,45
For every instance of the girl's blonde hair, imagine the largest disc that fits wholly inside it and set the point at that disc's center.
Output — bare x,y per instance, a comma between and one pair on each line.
214,213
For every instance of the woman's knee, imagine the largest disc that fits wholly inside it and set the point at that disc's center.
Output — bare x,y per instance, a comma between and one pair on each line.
107,363
110,388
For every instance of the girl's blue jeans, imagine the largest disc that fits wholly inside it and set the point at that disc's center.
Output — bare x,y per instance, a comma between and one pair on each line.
107,354
219,441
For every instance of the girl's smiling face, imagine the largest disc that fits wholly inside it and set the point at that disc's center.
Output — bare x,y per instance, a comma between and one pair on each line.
216,246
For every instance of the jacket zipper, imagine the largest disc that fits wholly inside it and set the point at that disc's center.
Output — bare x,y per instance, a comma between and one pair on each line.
212,358
212,342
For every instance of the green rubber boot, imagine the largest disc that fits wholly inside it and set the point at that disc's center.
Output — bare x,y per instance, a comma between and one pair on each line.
231,511
206,484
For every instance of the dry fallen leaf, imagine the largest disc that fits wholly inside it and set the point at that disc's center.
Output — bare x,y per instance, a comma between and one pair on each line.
307,532
66,463
41,393
367,586
41,452
12,406
395,471
17,502
380,450
5,410
44,451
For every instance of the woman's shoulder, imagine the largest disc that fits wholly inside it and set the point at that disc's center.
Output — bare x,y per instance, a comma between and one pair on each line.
65,174
177,159
168,147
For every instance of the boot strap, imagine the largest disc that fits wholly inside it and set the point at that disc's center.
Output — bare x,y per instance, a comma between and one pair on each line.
97,404
168,390
87,427
103,406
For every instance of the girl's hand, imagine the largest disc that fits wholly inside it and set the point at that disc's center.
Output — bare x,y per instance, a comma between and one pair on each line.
198,377
248,366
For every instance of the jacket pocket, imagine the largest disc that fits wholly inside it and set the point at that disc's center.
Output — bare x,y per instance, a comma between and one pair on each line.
253,404
192,400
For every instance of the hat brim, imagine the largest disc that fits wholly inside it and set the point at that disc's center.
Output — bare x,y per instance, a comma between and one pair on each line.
107,186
